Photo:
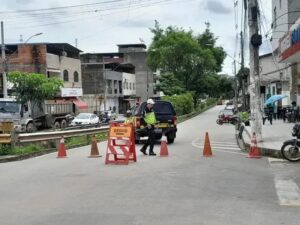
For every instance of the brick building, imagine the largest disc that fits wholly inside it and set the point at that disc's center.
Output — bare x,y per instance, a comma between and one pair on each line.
52,59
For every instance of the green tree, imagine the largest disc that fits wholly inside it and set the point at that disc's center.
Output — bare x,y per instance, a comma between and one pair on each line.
33,87
189,58
169,84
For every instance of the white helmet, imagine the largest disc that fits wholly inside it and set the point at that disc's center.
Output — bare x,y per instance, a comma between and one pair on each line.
150,101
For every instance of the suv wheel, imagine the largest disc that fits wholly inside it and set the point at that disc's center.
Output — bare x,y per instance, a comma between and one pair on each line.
170,138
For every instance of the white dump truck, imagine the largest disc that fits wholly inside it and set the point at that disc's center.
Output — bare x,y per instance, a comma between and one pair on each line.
30,117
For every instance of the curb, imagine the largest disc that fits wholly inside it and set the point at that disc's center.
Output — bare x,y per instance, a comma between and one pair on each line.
268,152
11,158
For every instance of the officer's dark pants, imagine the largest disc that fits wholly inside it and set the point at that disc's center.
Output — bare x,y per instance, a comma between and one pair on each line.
150,141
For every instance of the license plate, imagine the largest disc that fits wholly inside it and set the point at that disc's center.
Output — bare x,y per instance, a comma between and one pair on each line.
158,131
163,125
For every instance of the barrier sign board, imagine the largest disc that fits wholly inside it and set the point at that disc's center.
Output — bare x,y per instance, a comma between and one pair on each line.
120,132
121,144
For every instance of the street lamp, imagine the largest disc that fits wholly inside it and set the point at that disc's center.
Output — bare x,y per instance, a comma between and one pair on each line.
38,34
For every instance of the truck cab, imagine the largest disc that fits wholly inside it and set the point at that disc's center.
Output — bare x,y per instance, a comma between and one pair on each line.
12,111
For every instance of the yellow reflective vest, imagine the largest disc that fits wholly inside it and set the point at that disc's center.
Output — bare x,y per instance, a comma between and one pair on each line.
149,117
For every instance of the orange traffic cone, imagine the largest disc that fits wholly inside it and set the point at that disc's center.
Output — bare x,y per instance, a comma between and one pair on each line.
62,152
164,148
94,148
207,149
254,152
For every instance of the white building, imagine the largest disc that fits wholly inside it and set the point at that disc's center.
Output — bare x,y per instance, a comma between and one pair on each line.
276,73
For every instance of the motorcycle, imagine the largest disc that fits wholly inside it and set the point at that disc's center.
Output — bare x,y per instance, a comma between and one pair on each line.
290,149
227,119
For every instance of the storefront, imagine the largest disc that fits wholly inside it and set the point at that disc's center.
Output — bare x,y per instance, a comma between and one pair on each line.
289,52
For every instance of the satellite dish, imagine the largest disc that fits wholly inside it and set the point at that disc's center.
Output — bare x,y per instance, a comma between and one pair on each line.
142,41
64,53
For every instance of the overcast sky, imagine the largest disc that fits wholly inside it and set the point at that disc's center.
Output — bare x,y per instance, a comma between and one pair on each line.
100,25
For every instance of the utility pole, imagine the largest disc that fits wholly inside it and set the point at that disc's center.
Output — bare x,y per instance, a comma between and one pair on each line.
235,87
105,83
242,69
4,63
254,87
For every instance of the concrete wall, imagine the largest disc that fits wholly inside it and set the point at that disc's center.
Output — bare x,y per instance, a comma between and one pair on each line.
129,84
72,66
65,63
92,79
144,75
281,24
112,80
273,75
293,6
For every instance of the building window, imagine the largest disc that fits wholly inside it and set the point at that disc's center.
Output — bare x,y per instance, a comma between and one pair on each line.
133,86
66,75
76,76
120,87
126,85
115,86
280,4
275,18
130,86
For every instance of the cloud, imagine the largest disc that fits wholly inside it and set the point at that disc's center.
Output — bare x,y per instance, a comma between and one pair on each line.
139,23
217,7
24,2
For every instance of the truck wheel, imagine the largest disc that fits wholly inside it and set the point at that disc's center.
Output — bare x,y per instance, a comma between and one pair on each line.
30,128
56,125
63,124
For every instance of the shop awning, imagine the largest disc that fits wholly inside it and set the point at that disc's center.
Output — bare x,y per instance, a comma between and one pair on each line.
80,104
54,70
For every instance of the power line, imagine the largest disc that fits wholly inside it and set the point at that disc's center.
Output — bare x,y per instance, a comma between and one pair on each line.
49,17
59,8
121,10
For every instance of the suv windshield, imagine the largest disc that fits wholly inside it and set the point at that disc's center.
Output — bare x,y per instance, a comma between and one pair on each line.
9,107
162,108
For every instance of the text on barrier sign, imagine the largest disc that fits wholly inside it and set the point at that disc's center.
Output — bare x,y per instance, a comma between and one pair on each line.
120,132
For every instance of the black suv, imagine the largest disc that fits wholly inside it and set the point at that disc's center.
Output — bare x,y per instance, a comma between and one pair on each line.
165,116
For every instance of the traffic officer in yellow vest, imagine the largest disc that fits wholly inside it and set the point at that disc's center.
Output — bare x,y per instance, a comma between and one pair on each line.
149,120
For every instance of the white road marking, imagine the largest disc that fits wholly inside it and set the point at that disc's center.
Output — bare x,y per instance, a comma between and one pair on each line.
219,146
276,160
288,192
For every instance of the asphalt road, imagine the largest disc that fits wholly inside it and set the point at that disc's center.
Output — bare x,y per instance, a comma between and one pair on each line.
182,189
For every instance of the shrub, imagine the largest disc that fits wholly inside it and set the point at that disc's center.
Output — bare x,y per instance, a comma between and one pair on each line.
183,104
5,149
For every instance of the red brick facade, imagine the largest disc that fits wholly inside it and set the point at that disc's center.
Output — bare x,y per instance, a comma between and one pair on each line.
28,58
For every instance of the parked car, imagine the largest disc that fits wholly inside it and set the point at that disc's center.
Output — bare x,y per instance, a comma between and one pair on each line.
85,119
229,107
165,116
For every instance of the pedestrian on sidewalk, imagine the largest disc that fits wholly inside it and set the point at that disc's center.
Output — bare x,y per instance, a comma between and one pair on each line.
264,115
270,114
283,114
149,120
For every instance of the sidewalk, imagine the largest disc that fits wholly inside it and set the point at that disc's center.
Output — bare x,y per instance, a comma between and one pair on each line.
273,137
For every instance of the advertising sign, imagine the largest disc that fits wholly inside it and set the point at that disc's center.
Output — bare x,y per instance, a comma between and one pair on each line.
71,92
